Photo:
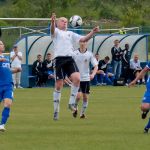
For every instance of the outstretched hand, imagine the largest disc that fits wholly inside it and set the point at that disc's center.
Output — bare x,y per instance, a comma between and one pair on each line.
132,83
96,29
53,17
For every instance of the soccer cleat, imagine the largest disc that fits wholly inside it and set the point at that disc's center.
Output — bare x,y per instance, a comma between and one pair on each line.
82,116
144,114
146,130
75,113
2,128
55,116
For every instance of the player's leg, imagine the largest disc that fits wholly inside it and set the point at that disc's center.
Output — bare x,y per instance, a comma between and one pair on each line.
5,113
75,113
145,107
72,71
85,88
84,106
78,98
59,77
56,97
7,97
75,78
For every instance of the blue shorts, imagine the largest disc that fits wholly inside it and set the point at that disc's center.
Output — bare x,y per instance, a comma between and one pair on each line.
146,99
6,91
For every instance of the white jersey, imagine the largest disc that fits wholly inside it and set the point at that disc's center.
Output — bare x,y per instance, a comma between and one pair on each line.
63,42
135,65
16,62
83,61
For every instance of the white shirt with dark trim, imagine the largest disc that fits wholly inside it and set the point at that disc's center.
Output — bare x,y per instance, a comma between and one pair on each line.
63,42
16,62
135,65
83,61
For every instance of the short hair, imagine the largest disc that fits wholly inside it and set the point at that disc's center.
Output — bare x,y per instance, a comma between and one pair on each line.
39,55
127,44
48,53
15,46
107,58
116,40
61,18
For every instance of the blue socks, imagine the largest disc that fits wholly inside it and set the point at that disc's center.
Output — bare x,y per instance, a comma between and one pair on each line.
148,124
5,115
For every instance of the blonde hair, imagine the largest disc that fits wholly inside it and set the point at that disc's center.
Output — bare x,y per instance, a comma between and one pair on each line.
61,18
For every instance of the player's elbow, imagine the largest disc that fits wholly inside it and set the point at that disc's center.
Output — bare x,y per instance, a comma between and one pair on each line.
83,39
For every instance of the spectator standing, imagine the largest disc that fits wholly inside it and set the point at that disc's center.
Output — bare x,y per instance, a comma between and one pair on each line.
126,63
16,59
117,54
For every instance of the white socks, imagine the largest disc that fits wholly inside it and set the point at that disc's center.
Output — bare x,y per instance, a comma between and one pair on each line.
84,106
74,92
56,98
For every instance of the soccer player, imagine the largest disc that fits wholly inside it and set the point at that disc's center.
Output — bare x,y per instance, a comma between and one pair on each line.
145,106
6,86
63,63
83,58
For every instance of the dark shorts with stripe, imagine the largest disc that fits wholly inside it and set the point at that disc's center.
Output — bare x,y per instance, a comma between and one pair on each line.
85,87
64,65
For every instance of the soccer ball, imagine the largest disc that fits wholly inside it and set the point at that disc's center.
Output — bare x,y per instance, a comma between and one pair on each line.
75,21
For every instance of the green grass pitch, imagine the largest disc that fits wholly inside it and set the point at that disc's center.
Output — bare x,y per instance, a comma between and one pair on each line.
113,122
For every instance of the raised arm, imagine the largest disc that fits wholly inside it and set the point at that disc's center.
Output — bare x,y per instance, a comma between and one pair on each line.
53,23
89,35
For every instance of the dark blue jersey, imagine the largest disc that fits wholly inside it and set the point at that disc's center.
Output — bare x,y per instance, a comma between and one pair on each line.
147,93
5,72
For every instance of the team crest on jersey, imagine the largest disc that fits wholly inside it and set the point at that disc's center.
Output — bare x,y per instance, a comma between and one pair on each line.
85,60
69,34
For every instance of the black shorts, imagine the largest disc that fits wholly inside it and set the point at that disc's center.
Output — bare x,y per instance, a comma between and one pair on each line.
64,65
85,87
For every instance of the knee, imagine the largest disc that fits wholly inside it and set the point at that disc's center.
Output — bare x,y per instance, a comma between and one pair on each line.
59,85
75,79
85,97
145,107
7,103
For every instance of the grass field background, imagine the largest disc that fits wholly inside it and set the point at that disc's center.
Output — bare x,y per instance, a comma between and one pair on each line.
113,122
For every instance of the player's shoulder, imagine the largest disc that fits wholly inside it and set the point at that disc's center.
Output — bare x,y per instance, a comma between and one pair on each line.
89,53
76,52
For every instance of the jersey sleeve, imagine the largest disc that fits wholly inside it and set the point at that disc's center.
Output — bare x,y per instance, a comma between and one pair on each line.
11,54
76,37
20,54
94,62
55,33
